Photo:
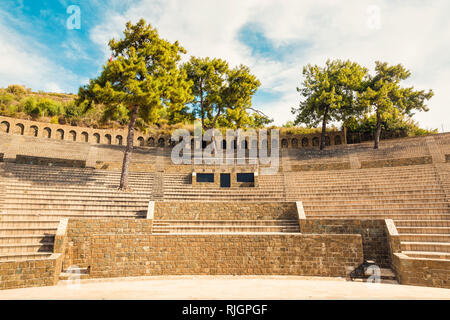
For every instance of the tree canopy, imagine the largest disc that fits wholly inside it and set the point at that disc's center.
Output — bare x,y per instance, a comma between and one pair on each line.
383,95
329,93
143,77
222,95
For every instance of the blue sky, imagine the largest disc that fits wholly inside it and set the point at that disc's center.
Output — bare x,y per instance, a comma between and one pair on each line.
274,38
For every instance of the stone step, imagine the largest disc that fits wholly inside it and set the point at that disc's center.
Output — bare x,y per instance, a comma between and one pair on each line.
385,204
17,231
113,211
26,199
301,194
425,246
320,189
70,205
363,181
32,239
428,255
87,193
374,211
56,216
423,230
26,248
24,256
343,198
37,223
395,217
422,223
415,237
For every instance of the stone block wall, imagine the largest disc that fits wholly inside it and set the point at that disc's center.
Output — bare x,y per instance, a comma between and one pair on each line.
422,272
31,273
50,161
373,233
217,210
224,254
321,166
396,162
80,232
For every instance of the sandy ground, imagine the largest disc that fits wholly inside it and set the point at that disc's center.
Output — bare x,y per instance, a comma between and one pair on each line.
224,287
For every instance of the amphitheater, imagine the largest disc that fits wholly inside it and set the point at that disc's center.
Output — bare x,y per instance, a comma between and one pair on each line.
331,213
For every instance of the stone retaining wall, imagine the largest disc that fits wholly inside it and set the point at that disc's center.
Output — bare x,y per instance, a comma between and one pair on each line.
224,254
22,159
373,233
422,272
396,162
81,231
320,166
31,273
181,210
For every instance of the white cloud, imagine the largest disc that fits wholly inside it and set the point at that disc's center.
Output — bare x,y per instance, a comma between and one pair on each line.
22,62
412,33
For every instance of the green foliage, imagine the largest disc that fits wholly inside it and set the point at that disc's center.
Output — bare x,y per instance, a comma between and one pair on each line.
143,75
16,89
30,107
329,93
73,110
221,95
384,96
391,126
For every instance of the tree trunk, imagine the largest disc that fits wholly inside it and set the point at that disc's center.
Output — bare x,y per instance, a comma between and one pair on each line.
324,129
378,131
345,134
128,150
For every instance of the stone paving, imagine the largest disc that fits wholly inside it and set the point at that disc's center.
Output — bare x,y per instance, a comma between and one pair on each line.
224,287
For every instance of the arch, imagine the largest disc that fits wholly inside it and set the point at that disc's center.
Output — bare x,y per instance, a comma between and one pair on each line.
34,131
315,142
161,142
85,136
96,137
294,143
47,133
327,140
60,134
284,143
19,129
141,141
151,142
224,144
73,135
305,142
337,140
4,127
119,140
108,138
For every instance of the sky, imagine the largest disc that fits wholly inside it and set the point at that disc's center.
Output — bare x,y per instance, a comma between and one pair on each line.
43,48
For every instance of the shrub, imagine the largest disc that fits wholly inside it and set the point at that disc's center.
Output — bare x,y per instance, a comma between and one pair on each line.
16,89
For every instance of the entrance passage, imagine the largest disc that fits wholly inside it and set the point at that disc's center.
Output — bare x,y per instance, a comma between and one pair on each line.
225,180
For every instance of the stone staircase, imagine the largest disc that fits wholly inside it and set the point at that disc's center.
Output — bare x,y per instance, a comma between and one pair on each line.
413,196
35,198
179,187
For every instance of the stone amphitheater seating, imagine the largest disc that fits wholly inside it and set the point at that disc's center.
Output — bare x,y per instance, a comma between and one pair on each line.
407,180
413,196
35,198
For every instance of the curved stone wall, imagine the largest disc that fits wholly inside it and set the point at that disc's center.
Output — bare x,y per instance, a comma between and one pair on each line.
118,137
